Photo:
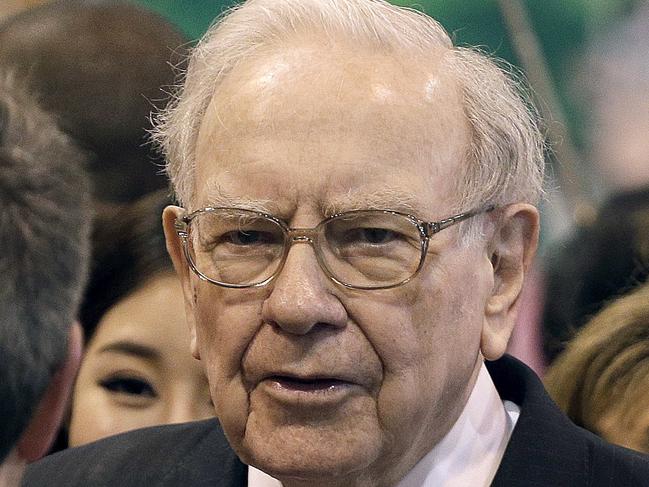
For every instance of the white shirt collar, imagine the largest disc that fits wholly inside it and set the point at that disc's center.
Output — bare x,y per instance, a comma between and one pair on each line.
469,454
471,451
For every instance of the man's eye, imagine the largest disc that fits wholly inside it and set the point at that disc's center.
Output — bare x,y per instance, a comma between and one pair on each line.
370,235
378,235
249,237
129,385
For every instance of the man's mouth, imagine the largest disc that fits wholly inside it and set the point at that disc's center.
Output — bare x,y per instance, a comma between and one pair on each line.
313,391
310,384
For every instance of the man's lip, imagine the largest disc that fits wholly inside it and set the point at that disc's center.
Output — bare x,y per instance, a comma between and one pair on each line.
307,384
306,392
304,375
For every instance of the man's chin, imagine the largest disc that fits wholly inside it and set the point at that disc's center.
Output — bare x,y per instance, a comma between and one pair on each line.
301,453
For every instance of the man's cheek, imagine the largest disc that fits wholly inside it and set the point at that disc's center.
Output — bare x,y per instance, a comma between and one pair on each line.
227,389
226,326
231,403
224,332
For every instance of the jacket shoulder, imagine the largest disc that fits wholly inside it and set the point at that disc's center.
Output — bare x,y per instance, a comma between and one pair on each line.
546,448
152,456
613,465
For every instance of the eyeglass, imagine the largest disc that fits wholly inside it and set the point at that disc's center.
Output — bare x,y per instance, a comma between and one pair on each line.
361,249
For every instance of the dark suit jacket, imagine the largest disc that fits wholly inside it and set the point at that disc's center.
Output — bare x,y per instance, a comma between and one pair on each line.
545,450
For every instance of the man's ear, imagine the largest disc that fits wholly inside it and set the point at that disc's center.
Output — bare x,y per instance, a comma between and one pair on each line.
44,425
176,252
512,250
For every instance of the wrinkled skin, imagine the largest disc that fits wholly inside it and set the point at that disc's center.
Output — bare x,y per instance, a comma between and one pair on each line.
305,134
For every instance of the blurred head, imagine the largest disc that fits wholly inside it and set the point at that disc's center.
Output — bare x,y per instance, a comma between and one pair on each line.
137,370
602,377
101,67
615,87
600,262
44,230
305,110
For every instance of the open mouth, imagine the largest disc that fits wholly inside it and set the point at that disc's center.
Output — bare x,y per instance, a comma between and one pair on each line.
307,384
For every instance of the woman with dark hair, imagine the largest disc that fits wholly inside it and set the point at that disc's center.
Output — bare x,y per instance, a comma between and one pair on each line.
137,370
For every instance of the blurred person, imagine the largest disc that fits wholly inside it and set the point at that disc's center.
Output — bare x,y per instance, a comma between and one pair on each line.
136,370
609,256
44,230
100,66
358,218
601,379
12,7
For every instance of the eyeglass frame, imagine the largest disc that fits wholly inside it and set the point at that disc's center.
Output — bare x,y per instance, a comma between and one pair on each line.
307,235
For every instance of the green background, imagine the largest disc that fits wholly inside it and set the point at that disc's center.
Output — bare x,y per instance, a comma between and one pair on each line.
562,27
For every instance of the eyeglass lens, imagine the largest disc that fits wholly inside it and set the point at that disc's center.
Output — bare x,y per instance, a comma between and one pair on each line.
360,249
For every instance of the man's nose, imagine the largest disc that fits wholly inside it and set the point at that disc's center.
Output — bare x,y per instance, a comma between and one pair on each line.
301,297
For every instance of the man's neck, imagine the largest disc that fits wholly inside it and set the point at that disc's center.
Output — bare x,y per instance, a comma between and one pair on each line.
470,453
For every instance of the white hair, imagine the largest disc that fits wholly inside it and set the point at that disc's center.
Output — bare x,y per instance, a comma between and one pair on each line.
505,160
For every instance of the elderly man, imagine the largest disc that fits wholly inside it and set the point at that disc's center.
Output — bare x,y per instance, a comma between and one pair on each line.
44,226
358,219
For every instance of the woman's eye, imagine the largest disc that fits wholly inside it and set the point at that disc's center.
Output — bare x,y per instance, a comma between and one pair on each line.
129,385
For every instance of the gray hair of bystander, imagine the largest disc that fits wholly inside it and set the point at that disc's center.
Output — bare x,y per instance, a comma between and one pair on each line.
44,242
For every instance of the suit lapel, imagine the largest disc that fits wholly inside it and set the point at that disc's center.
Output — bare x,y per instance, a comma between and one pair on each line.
545,449
211,463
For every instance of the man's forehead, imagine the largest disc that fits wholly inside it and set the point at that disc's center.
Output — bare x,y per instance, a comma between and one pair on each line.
311,88
345,116
333,75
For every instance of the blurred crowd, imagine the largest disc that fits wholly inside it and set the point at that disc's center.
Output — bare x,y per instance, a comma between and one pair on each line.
78,83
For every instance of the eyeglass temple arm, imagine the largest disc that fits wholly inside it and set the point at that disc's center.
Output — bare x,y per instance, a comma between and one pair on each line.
434,227
180,225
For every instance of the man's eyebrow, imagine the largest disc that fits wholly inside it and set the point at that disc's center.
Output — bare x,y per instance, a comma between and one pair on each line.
383,199
216,197
131,348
